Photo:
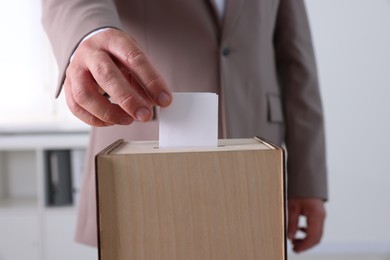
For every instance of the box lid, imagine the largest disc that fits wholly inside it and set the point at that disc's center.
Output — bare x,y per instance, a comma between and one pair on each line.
149,147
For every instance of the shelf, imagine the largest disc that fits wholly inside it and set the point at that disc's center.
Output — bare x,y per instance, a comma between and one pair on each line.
15,205
19,202
63,210
43,141
33,125
32,169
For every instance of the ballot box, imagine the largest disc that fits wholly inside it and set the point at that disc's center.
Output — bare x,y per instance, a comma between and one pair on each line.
211,203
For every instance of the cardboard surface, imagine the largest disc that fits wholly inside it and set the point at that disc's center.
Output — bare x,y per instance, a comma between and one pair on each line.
225,203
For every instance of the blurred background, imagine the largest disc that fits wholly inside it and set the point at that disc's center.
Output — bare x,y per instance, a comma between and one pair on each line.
351,38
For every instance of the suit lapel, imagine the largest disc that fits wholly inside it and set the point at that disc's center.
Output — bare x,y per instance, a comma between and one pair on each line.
214,11
232,11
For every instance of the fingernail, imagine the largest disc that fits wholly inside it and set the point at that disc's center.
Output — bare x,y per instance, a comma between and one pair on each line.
126,120
164,99
142,114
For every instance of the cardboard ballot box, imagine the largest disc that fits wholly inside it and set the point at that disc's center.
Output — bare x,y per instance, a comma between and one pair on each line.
214,203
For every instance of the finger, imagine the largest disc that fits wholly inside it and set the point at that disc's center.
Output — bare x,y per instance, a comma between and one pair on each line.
300,245
86,94
314,230
293,219
133,58
78,111
129,97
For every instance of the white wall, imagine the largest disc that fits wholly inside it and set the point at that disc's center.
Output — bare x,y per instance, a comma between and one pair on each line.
22,61
352,43
28,73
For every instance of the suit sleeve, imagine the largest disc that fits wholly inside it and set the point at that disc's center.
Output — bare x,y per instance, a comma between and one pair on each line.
67,22
305,138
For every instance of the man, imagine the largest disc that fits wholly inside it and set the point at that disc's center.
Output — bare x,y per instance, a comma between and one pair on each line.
256,54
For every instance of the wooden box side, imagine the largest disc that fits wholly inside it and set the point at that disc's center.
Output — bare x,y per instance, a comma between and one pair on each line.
193,206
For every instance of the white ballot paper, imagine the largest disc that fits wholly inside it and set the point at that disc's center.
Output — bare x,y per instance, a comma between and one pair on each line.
190,121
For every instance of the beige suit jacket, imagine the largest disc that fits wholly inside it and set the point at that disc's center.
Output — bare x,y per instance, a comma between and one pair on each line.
259,60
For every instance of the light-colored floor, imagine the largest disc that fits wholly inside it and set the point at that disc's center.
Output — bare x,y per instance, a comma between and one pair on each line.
338,257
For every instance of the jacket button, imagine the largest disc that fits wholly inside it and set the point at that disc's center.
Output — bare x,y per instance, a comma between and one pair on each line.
225,51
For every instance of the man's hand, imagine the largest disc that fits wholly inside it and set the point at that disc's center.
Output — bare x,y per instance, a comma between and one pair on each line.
111,62
314,211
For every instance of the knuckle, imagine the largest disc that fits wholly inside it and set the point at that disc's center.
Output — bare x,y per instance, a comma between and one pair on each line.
73,107
70,71
128,100
77,111
82,51
82,96
153,83
81,114
93,121
107,116
135,58
109,33
104,72
85,45
71,103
